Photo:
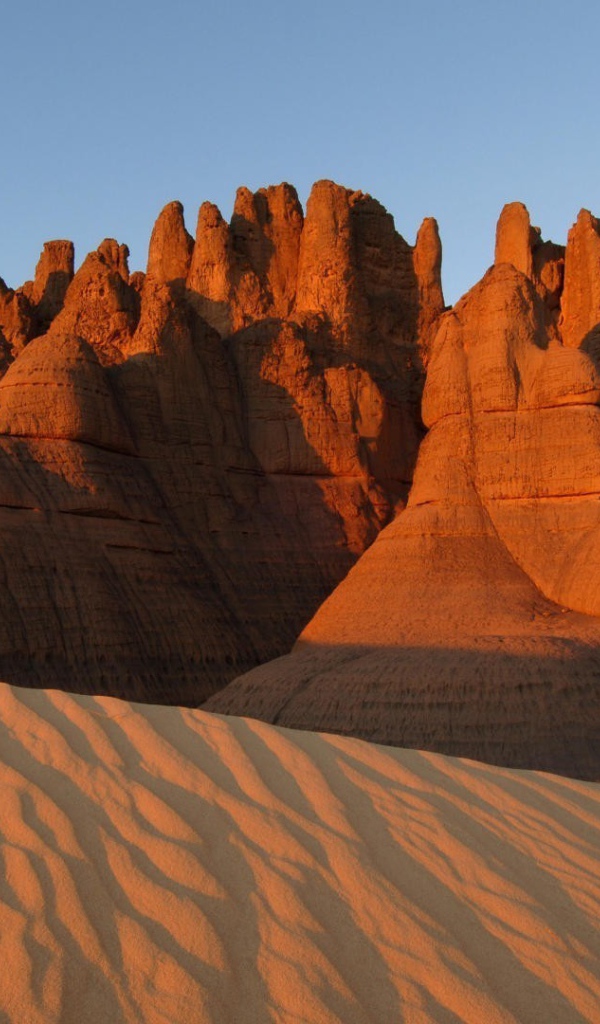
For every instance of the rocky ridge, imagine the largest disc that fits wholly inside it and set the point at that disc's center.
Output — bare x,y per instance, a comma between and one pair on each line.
470,626
192,458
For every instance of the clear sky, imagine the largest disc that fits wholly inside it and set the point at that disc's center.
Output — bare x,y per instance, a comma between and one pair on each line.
447,108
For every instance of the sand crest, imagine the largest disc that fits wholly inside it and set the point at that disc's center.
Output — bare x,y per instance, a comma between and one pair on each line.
167,865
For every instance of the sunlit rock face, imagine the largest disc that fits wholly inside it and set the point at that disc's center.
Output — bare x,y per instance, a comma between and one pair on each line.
470,626
192,458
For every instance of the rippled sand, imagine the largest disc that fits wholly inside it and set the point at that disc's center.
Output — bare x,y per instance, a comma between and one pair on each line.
166,865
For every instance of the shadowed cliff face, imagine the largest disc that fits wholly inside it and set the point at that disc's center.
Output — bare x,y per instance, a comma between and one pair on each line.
470,626
192,458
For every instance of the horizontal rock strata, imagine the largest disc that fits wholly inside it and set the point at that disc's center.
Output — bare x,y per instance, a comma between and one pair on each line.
192,458
470,626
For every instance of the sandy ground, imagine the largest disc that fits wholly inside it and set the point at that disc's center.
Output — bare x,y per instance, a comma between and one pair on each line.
167,865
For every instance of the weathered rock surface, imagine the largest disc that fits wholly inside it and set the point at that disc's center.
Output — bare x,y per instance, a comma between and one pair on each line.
171,247
521,245
471,625
17,323
191,459
581,299
53,276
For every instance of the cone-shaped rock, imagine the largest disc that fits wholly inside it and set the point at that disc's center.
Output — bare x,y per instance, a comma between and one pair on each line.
58,389
210,274
515,238
521,245
171,246
445,635
427,261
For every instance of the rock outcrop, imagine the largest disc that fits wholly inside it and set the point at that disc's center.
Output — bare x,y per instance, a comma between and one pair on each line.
471,625
581,299
171,247
521,245
53,276
192,458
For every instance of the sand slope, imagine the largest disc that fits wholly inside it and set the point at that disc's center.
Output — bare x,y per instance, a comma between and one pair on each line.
167,865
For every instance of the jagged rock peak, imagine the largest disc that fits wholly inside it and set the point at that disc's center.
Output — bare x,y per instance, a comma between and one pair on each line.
171,246
427,262
428,246
580,307
326,278
515,238
247,270
521,245
460,628
264,225
250,206
209,276
100,306
115,256
53,275
283,200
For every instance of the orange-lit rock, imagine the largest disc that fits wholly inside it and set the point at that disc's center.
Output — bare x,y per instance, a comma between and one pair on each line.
100,305
58,389
171,246
580,308
53,276
17,323
210,273
190,459
521,245
515,238
265,237
471,625
427,262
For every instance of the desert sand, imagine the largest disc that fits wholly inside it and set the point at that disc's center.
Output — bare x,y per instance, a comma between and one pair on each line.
162,864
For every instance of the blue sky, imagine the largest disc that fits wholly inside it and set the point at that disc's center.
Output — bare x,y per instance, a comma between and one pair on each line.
435,107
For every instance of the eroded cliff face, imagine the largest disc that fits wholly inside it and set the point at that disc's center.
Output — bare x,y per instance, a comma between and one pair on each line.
192,458
470,626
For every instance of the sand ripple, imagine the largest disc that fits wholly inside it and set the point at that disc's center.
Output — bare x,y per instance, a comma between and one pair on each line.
164,865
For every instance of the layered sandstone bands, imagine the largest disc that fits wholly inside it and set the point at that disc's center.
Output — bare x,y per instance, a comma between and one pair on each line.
191,458
470,626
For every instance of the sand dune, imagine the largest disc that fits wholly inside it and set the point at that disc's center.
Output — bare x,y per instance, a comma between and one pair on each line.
167,865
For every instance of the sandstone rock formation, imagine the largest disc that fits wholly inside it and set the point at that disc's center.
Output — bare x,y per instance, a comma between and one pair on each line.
521,245
17,323
53,276
470,626
581,300
192,458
